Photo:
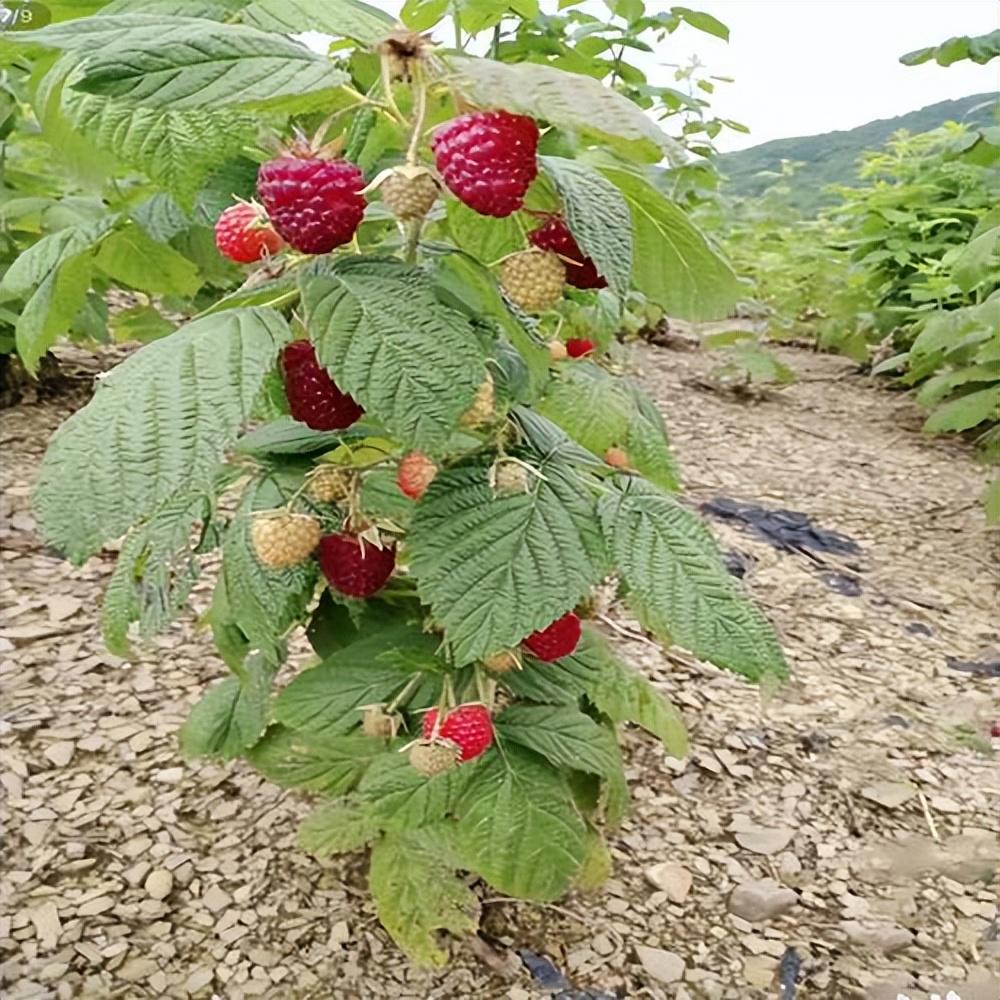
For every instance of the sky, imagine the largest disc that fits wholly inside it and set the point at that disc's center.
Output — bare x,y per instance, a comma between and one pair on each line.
808,66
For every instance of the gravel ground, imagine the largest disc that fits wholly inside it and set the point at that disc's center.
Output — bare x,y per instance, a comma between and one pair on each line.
839,831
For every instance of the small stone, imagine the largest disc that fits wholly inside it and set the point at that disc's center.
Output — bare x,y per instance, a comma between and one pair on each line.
758,970
889,794
61,753
137,970
340,933
761,900
886,938
198,980
216,899
674,880
765,840
603,945
663,966
159,883
95,906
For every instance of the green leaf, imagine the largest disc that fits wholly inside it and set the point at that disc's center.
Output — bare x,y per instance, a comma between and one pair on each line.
703,22
337,828
417,893
966,411
979,48
398,795
563,735
485,238
599,411
342,18
412,362
215,10
596,867
231,716
263,603
496,568
158,424
285,436
673,264
597,216
519,828
977,260
420,15
208,65
141,323
570,101
316,762
134,258
678,585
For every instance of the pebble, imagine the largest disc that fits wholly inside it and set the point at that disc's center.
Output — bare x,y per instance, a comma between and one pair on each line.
886,938
663,966
765,840
761,900
674,880
159,883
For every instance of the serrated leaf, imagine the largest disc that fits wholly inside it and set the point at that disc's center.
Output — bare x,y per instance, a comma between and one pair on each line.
518,827
341,18
573,102
134,258
215,10
411,361
417,893
231,716
596,867
496,568
337,828
485,238
205,64
598,217
673,264
317,762
334,626
285,436
599,411
563,735
966,411
159,423
977,260
678,585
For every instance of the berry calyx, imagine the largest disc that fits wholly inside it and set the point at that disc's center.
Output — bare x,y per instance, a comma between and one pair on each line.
280,539
431,757
483,405
313,397
578,347
468,727
554,235
409,192
533,279
502,662
354,566
243,234
617,458
556,640
488,160
415,473
314,202
557,351
330,484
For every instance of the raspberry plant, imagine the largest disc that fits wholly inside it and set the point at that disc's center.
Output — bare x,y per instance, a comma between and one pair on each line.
385,448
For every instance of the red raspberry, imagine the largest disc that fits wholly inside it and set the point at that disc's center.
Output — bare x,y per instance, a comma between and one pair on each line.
556,237
556,640
415,473
995,730
354,566
577,347
313,397
488,159
469,727
243,234
316,204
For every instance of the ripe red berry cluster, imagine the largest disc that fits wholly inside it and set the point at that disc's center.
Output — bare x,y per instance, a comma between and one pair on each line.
556,640
488,159
243,234
353,565
578,347
554,235
469,727
313,397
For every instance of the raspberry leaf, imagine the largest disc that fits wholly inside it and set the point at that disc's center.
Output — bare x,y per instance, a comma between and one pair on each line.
189,63
316,762
598,217
486,238
519,828
232,716
601,411
673,265
134,258
678,585
495,568
417,893
341,18
411,361
337,828
113,462
569,100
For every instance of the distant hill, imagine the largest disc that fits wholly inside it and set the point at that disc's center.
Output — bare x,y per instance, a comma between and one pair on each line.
832,158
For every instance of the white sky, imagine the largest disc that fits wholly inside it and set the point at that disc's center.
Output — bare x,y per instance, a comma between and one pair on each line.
809,66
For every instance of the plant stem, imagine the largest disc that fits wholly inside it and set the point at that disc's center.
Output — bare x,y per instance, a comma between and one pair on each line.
387,91
419,114
617,66
413,228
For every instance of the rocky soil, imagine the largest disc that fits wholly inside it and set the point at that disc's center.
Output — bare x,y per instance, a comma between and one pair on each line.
833,838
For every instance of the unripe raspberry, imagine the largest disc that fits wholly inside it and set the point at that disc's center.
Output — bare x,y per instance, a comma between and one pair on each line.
617,457
508,476
502,662
410,192
483,405
557,351
433,757
330,484
414,474
281,539
533,279
243,234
